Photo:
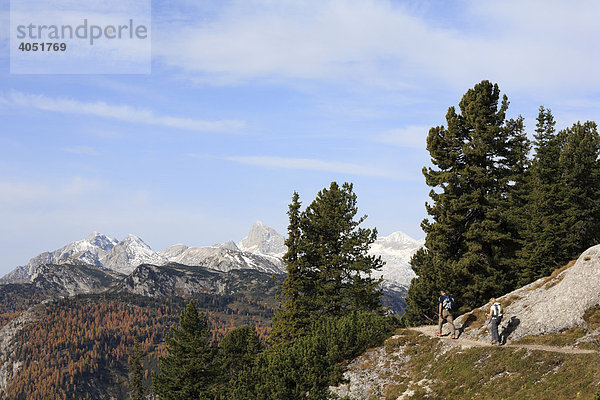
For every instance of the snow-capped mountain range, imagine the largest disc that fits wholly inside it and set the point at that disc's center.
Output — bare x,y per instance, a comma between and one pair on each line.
262,249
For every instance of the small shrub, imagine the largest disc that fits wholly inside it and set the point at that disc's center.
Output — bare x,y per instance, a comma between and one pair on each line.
592,317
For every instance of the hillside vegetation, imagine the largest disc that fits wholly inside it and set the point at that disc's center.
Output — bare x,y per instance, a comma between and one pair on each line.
551,336
413,365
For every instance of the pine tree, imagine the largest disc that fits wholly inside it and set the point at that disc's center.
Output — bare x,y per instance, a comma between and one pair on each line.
236,354
580,165
187,371
335,250
471,240
138,389
329,270
562,214
288,320
543,209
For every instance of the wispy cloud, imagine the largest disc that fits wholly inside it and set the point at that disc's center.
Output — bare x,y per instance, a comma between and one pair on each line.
410,136
312,164
124,113
388,44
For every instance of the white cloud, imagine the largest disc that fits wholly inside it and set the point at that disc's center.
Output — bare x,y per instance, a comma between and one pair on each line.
311,164
536,44
410,136
118,112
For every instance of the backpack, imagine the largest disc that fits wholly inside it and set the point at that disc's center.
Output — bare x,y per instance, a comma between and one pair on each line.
448,303
497,310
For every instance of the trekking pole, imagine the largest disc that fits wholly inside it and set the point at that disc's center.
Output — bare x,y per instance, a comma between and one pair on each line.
429,319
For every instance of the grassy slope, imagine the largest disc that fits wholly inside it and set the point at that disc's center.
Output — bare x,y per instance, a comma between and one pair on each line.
489,372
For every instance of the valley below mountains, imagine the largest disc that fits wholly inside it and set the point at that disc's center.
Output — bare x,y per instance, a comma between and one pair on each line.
69,317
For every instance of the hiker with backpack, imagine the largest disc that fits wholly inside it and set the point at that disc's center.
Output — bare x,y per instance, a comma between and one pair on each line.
445,306
495,314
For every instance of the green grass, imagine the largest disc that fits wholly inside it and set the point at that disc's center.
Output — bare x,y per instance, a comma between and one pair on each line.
492,372
562,339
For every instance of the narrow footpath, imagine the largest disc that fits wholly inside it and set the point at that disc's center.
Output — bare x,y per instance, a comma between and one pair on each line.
430,330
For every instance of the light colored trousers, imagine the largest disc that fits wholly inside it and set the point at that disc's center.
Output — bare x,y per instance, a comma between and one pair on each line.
446,315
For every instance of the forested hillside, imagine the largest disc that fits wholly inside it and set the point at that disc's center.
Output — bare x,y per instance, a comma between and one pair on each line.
79,347
499,219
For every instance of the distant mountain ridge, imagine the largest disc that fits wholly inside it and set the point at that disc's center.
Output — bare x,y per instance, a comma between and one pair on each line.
262,250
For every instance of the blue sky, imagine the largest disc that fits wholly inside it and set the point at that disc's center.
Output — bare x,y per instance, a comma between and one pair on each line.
249,101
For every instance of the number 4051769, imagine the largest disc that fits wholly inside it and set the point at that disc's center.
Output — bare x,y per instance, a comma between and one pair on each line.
26,46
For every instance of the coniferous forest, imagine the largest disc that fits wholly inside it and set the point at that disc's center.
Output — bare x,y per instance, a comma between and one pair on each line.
504,210
328,314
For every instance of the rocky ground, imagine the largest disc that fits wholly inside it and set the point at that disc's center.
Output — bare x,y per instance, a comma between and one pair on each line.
547,306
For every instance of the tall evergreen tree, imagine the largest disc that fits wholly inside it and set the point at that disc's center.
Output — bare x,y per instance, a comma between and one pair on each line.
290,317
580,165
187,372
471,240
542,213
235,357
137,387
329,270
562,214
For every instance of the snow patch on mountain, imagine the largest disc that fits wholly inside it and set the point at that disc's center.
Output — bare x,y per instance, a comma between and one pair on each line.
129,253
224,258
262,249
89,250
396,250
263,239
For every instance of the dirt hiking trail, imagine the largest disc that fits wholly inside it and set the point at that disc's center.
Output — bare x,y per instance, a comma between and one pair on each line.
430,330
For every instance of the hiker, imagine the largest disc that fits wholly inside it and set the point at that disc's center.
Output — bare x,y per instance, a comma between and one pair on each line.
446,303
496,317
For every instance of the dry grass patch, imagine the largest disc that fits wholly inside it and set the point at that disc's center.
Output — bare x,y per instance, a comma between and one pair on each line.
592,317
509,300
475,319
567,337
394,390
508,373
553,279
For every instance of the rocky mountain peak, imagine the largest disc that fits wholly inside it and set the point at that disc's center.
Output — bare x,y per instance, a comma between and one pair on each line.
129,253
263,239
102,241
228,245
174,251
397,241
132,239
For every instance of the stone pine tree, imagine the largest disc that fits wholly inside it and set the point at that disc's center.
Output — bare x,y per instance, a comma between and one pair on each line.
580,165
542,213
289,320
329,270
187,371
235,358
138,390
471,238
562,214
